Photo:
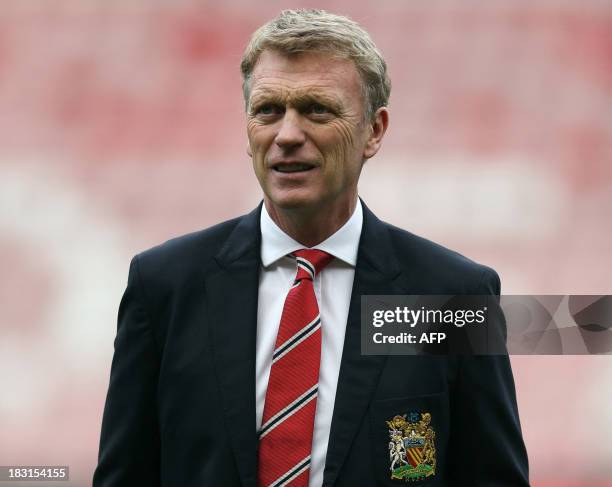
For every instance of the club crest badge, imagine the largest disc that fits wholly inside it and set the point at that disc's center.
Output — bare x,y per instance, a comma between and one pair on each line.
412,449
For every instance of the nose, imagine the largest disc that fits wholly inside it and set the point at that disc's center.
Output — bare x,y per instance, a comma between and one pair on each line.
290,133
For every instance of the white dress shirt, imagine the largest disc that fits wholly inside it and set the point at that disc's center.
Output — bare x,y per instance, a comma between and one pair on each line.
332,288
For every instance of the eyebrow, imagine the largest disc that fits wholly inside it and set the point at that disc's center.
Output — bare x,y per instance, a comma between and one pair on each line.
299,100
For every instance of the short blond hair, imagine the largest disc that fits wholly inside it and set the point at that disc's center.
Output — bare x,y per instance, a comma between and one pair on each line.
313,30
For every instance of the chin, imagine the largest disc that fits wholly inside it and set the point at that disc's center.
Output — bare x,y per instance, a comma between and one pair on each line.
293,201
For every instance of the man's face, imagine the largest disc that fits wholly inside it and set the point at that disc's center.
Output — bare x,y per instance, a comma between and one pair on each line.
306,129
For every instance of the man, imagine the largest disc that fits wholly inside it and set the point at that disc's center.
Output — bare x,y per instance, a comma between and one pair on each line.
237,357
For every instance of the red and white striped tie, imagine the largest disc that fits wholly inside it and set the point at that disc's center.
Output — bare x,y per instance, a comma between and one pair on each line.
285,437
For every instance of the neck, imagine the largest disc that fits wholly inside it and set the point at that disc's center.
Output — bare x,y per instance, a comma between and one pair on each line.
310,226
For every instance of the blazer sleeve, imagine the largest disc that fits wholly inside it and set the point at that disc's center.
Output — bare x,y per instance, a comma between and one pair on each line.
486,442
130,440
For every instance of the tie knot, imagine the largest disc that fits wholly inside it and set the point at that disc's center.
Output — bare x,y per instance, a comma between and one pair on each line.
310,262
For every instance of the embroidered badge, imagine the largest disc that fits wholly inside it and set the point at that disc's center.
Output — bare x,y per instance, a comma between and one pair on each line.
412,449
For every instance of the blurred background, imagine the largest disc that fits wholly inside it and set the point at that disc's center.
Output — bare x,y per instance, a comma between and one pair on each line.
122,125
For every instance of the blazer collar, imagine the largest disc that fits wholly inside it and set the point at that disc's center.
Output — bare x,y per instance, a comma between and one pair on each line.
243,241
376,252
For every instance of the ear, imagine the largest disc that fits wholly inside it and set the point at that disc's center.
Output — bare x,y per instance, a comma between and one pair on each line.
248,148
378,127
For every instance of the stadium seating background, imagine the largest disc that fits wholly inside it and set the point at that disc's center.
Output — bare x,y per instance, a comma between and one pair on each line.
122,124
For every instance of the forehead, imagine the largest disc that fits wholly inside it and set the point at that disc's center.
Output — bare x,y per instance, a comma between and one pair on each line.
308,73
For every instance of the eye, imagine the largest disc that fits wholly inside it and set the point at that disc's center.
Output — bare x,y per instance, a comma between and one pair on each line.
318,109
268,109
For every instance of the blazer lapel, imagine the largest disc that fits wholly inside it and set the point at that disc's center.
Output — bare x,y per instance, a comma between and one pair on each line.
232,304
377,272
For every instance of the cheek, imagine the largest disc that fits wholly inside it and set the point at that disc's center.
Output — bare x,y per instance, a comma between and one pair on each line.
348,133
258,150
345,155
259,137
346,136
341,146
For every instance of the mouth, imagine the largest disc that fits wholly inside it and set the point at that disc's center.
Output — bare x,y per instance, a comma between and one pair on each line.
292,167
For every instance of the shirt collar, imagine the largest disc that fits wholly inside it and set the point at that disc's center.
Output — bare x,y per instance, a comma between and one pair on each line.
343,244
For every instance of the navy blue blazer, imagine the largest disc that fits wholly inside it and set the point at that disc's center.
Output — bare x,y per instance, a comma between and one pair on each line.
180,409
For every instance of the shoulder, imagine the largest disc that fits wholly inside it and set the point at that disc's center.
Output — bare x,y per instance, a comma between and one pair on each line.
183,260
192,247
439,269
